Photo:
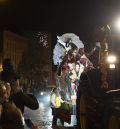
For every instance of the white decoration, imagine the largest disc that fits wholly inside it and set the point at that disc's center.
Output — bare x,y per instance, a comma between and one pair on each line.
60,48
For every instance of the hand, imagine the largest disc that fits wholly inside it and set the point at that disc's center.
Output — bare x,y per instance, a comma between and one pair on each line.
67,102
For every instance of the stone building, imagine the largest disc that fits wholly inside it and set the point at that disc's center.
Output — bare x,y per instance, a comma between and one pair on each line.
12,46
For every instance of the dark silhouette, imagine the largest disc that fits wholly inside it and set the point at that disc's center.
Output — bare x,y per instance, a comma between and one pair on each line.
8,73
17,96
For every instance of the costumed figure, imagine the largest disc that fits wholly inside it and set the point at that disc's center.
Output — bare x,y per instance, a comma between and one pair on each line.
55,101
71,61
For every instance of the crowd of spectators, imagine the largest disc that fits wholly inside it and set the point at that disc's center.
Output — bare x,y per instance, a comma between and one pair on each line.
13,100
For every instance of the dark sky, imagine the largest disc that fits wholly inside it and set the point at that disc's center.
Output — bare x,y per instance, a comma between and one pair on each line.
77,16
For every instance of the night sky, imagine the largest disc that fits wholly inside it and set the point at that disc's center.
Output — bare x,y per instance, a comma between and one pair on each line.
59,16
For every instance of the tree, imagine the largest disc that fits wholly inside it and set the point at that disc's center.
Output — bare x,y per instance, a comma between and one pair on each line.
35,58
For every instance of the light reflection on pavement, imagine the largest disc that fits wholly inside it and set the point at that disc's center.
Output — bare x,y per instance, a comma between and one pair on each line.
42,116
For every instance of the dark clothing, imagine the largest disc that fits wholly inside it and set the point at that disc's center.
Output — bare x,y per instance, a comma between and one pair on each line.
55,113
7,76
21,99
11,117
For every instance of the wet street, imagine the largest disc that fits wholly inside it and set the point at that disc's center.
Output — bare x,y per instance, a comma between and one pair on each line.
42,116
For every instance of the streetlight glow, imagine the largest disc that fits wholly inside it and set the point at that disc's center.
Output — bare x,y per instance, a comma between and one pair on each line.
41,93
112,66
117,24
111,59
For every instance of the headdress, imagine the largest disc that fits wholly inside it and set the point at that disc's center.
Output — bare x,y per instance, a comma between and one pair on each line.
63,45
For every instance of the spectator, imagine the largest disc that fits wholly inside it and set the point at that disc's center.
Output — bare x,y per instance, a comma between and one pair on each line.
8,72
17,96
10,116
22,99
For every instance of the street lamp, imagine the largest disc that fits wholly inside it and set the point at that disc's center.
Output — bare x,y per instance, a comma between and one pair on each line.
111,59
115,34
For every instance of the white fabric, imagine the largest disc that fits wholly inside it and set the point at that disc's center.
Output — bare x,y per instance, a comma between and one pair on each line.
75,39
60,48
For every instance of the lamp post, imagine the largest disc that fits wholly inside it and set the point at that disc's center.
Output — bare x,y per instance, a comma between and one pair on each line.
115,43
104,53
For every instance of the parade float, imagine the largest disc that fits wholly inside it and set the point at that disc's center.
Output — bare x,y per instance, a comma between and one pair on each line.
88,88
71,61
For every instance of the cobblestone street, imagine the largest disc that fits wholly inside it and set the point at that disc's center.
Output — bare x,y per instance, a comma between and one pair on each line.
42,116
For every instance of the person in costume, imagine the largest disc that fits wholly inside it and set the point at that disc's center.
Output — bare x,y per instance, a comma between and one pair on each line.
55,101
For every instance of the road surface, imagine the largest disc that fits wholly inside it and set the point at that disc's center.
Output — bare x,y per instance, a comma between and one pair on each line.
42,116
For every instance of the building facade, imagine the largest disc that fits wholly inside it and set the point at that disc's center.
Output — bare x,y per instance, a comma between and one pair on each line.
12,46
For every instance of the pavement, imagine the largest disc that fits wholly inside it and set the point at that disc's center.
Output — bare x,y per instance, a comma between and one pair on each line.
42,117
